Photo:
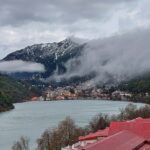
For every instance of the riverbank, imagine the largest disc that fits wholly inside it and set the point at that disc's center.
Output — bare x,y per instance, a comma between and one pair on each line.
5,103
9,106
97,99
6,108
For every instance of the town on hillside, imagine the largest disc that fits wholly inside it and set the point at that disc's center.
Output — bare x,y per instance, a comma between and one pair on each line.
78,92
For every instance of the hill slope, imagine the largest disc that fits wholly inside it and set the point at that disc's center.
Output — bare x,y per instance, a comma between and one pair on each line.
12,91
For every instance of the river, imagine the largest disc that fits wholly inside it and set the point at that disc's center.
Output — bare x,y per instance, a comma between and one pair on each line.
30,119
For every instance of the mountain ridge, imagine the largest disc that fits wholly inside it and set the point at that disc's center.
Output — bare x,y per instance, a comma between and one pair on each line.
54,56
51,55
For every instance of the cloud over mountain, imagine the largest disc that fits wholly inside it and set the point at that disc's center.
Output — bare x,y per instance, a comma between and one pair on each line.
20,66
116,58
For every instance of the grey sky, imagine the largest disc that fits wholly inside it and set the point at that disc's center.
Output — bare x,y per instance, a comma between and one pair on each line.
25,22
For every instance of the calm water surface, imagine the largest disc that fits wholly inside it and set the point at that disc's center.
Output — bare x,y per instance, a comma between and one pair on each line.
32,118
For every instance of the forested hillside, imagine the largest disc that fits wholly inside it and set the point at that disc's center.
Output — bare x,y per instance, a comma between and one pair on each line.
12,91
139,87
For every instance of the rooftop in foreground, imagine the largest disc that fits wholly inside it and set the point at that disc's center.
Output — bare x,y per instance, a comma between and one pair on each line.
121,135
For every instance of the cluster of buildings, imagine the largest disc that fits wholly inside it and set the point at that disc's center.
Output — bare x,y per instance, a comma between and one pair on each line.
63,93
121,95
60,93
82,92
75,93
125,135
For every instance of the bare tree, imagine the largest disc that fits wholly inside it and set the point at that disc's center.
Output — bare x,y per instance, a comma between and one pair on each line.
65,134
100,121
22,144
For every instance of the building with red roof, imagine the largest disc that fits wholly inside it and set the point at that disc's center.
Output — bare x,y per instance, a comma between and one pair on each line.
95,136
123,140
138,126
121,135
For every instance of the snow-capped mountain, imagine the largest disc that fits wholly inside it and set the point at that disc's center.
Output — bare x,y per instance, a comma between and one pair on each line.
51,55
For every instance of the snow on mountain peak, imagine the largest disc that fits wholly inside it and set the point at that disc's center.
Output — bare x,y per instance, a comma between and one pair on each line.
44,50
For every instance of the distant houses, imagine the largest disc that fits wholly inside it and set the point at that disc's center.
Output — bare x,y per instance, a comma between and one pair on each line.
60,94
78,92
74,93
37,98
121,95
70,93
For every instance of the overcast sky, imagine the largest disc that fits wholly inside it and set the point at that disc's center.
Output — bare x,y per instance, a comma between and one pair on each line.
26,22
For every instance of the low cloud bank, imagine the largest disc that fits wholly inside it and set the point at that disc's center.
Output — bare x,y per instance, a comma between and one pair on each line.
20,66
114,59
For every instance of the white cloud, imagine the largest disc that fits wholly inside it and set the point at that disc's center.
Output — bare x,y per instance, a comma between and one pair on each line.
20,66
113,59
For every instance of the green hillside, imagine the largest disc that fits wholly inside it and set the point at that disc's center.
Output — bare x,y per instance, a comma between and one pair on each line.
139,87
12,91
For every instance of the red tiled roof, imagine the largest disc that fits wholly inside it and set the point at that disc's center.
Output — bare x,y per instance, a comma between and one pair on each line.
125,135
34,98
92,136
139,126
124,140
146,146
